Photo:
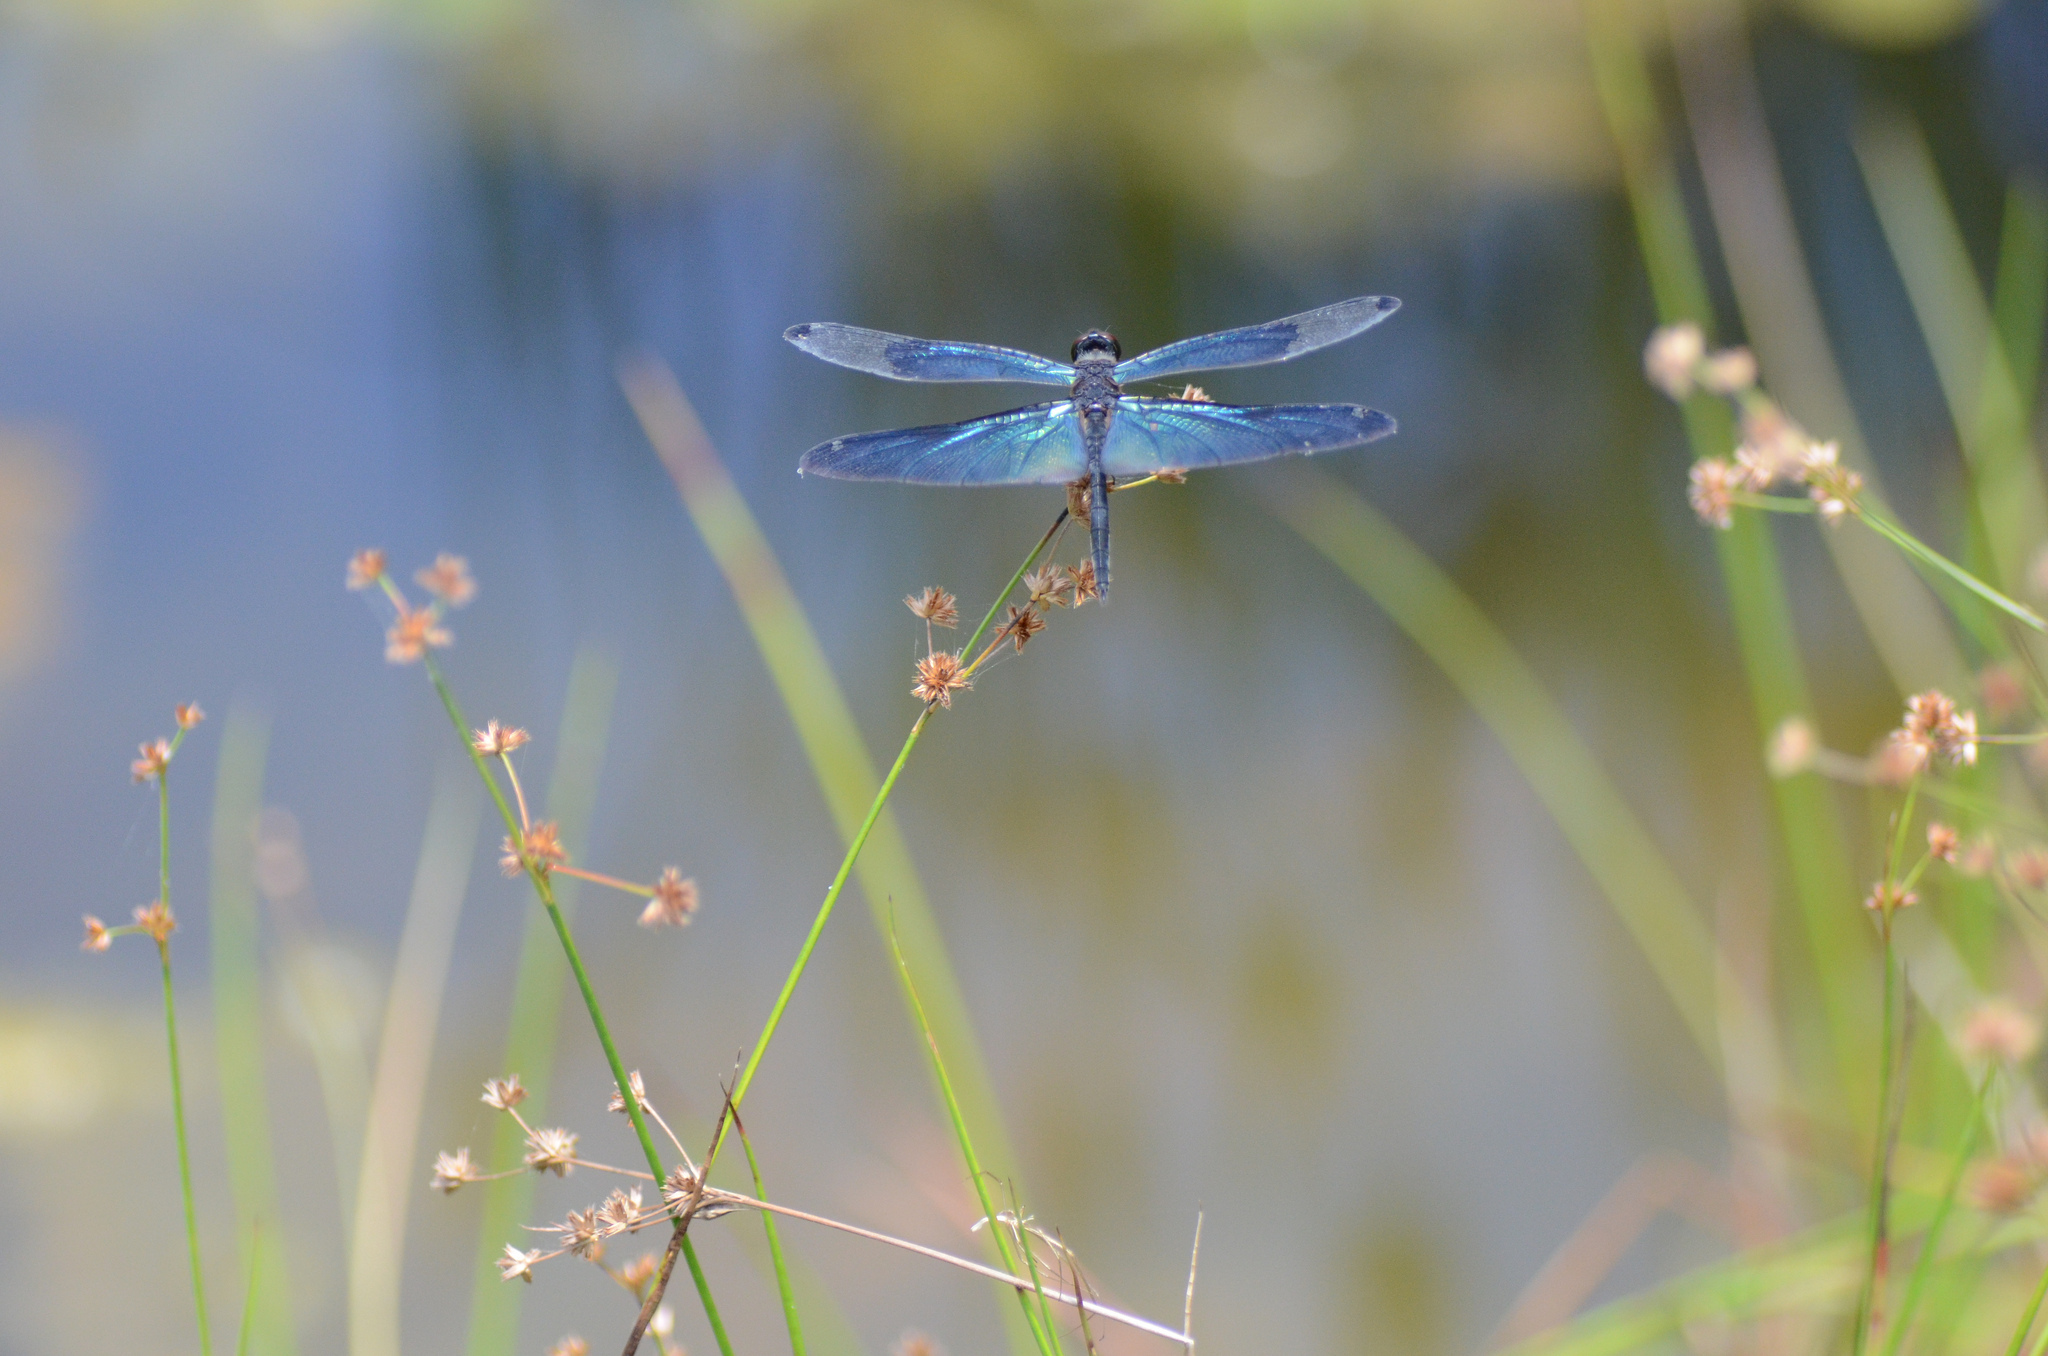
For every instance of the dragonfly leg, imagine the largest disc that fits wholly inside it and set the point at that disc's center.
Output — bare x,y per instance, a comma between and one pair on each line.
1098,526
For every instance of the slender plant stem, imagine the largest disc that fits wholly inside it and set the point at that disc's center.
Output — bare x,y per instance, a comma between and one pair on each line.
2019,1335
1941,564
163,949
1048,1342
545,890
1930,1242
249,1295
1867,1308
782,1286
803,957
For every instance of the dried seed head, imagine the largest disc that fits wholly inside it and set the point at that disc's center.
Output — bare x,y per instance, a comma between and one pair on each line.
495,739
582,1233
365,568
640,1270
2000,1031
452,1170
551,1149
1830,484
1044,586
155,919
1792,749
1900,758
503,1093
939,676
1711,491
416,631
97,938
1886,898
1933,722
915,1343
934,605
678,1187
675,900
1672,357
572,1345
188,714
448,579
1172,475
633,1080
620,1212
1020,625
517,1265
540,845
1081,581
1943,842
156,756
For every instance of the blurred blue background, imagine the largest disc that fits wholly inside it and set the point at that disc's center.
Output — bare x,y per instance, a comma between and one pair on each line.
1253,915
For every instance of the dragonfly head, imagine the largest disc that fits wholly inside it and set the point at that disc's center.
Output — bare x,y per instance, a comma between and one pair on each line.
1096,343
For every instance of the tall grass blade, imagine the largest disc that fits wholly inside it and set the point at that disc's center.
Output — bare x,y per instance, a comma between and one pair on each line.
2019,302
240,1021
1809,822
412,1013
1641,888
1046,1337
248,1328
1956,321
825,726
783,1288
533,1026
1752,216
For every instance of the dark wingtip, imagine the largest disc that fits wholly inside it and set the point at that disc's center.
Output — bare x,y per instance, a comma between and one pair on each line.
796,333
1389,305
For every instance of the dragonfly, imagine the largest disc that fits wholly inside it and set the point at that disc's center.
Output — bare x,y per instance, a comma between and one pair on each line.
1099,433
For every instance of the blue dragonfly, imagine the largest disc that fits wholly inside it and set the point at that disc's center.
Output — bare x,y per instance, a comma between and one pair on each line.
1098,433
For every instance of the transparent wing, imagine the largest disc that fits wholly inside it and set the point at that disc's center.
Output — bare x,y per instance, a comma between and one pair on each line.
1273,342
907,359
1037,445
1154,435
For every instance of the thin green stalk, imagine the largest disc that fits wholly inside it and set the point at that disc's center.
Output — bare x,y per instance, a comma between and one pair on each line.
860,838
163,948
1873,1278
1031,1264
1934,560
2019,1334
2019,301
249,1296
545,890
533,1026
239,1028
1930,1242
1809,822
1048,1344
782,1285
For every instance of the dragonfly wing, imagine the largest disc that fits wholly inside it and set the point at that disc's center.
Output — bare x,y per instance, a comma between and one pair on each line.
1273,342
907,359
1036,445
1156,435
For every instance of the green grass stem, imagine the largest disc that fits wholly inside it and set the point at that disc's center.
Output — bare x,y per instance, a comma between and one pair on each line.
782,1284
1872,1295
1810,832
543,887
1930,1241
249,1298
239,1020
398,1089
533,1025
2019,301
163,947
2027,1317
1041,1331
1617,851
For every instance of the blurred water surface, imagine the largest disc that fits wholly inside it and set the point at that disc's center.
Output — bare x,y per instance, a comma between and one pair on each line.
1253,916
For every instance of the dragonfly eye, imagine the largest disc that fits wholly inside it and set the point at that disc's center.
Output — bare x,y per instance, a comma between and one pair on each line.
1097,341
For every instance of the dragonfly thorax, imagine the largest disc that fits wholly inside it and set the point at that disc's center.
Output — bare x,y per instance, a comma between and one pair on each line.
1097,344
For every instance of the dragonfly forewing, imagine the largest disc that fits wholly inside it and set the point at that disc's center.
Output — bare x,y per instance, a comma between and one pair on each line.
903,358
1276,341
